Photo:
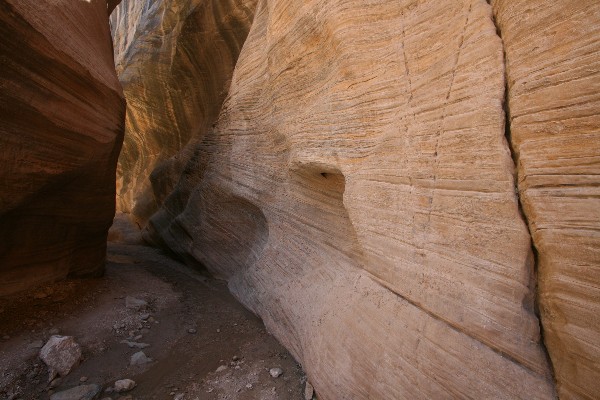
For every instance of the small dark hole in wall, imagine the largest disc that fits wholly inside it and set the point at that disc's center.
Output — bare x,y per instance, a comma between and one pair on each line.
324,174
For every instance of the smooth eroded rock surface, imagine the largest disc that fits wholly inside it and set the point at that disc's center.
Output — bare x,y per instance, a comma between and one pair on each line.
61,124
357,191
553,65
175,59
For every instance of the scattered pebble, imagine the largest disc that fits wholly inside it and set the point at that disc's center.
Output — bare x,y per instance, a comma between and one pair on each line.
55,382
178,396
83,392
309,391
144,316
83,379
61,354
36,345
135,304
222,368
235,358
249,386
191,330
276,372
139,358
135,344
124,385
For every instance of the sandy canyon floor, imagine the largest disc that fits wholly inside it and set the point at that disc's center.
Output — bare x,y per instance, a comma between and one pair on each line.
203,343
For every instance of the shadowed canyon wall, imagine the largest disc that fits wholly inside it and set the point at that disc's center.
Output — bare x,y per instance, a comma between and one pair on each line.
358,189
61,126
175,60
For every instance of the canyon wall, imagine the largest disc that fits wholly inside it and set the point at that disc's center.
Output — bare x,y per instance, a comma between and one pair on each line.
61,126
175,60
397,189
553,70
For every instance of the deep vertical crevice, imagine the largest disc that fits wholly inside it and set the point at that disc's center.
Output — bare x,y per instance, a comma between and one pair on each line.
515,158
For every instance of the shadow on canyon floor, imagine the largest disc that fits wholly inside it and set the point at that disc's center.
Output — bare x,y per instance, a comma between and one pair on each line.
204,344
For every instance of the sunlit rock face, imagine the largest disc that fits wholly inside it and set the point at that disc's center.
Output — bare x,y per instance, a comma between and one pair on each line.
397,188
61,124
175,60
553,65
357,192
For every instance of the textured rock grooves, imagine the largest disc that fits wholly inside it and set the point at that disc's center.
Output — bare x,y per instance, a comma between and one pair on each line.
349,138
61,125
175,63
534,254
553,89
357,189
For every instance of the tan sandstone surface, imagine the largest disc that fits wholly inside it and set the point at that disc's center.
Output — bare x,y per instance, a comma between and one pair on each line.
357,192
175,60
553,68
62,114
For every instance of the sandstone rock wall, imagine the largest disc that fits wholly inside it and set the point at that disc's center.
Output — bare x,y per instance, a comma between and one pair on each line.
358,194
61,125
175,60
358,189
553,69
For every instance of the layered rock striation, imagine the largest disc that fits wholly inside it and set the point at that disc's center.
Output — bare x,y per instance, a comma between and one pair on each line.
553,75
355,191
61,126
398,189
175,60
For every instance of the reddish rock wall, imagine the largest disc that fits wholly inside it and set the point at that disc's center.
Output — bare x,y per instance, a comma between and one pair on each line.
61,127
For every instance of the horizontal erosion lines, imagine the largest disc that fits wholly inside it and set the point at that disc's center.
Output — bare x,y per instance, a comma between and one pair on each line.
455,327
472,188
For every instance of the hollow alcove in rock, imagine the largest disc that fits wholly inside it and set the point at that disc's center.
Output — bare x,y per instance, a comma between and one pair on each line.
371,140
343,165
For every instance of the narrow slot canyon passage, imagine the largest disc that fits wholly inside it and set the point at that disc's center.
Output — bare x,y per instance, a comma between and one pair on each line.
203,344
287,200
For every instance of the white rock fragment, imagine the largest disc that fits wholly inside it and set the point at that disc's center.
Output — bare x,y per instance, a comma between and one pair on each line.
61,354
139,358
124,385
276,372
